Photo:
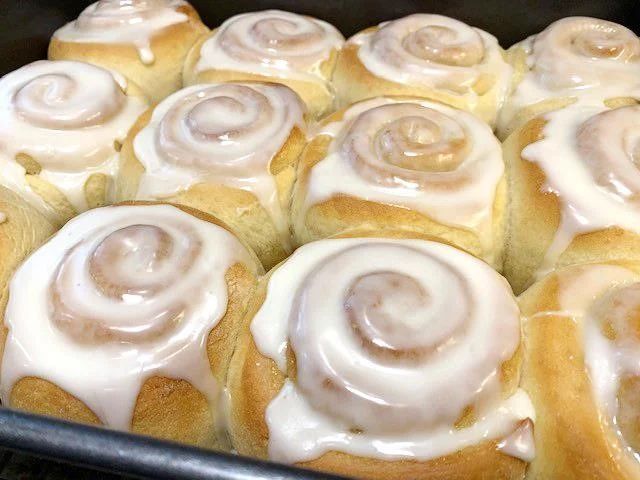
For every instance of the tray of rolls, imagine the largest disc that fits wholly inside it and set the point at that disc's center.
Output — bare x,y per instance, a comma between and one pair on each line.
292,240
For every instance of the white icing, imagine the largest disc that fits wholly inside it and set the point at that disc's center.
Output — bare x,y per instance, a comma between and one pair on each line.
272,43
569,59
588,155
222,133
159,290
3,217
461,197
377,327
434,51
299,433
124,22
66,116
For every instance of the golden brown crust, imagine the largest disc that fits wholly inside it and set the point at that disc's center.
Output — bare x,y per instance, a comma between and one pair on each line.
571,441
254,380
157,80
343,213
318,96
534,218
353,82
165,408
239,209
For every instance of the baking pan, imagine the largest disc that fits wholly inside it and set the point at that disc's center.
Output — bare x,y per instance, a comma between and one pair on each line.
25,29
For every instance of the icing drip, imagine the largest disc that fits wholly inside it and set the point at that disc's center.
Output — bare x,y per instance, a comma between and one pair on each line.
580,57
383,336
223,133
119,295
589,156
66,117
520,443
434,159
272,43
124,22
434,51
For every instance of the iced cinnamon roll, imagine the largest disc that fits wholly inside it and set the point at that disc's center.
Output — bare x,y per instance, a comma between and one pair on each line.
576,59
404,163
61,127
126,318
275,46
228,149
145,40
582,370
574,190
385,359
429,56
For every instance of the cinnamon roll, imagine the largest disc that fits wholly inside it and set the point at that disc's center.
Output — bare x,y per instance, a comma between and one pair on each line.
429,56
61,127
385,359
147,41
228,149
582,371
574,190
576,59
295,50
404,163
127,318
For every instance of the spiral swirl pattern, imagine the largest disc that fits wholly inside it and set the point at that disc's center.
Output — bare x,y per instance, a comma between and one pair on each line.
228,129
66,115
129,292
59,101
578,52
405,144
433,159
431,50
272,40
375,333
224,134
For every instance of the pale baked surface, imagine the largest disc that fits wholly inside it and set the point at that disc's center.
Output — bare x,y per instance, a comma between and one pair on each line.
157,80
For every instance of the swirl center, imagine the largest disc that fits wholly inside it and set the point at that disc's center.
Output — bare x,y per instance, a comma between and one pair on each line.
277,34
55,101
386,309
127,259
219,118
605,41
120,289
441,44
422,144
